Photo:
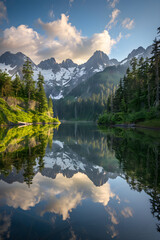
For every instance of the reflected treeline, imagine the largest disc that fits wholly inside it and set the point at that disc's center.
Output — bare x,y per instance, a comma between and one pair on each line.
91,144
24,148
138,152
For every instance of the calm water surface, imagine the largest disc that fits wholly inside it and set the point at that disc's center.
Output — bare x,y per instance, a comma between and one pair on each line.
79,182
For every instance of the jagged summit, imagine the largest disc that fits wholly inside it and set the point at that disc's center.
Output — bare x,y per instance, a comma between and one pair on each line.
47,64
100,54
61,79
68,63
136,52
13,60
98,61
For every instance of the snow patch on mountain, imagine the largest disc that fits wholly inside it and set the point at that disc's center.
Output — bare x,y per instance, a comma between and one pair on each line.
59,96
100,69
61,78
6,68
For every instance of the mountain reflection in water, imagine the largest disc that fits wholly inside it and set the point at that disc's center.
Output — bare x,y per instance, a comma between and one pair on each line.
78,182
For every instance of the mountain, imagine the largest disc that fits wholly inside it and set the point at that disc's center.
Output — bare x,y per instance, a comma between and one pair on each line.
88,99
49,64
14,60
69,75
94,85
68,63
98,62
13,63
62,78
137,53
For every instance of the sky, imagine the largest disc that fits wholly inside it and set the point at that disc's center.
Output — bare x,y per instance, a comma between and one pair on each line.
75,29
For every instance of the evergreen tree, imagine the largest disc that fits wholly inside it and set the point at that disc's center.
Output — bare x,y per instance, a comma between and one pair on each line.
50,106
17,86
42,99
118,98
148,82
5,84
156,60
28,79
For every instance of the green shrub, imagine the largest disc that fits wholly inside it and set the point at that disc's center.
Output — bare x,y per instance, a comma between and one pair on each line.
117,117
151,114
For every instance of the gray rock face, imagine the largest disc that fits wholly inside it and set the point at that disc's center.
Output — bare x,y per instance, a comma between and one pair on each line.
68,63
98,59
138,53
14,60
49,64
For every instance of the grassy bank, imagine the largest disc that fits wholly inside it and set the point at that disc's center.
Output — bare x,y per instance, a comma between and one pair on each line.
15,113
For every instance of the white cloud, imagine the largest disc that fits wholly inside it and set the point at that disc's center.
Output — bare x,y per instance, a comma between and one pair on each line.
3,11
62,30
51,14
113,215
128,23
61,41
5,221
113,3
127,212
60,195
113,17
22,39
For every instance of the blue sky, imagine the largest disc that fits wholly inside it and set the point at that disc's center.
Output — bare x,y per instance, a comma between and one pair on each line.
76,28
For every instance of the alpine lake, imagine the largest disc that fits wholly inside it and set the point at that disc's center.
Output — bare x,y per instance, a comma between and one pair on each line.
77,181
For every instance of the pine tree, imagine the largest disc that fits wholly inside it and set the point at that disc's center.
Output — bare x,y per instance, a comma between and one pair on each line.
118,98
17,86
147,77
42,99
28,79
5,84
50,106
156,59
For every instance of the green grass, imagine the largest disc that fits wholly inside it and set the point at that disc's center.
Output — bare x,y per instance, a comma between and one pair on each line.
11,115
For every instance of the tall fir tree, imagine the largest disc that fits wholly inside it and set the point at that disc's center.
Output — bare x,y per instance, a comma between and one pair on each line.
5,84
17,85
50,106
156,60
28,80
41,96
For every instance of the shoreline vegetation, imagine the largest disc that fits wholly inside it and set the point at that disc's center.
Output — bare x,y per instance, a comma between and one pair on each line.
13,113
23,101
136,101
